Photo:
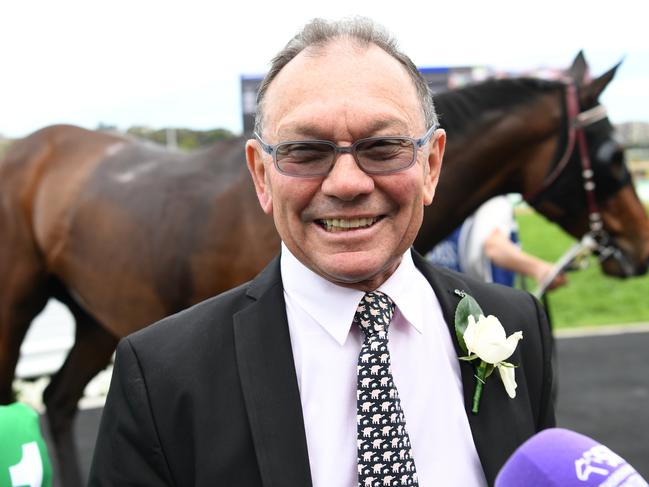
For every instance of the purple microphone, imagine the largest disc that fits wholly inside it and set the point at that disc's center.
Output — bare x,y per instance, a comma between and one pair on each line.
562,458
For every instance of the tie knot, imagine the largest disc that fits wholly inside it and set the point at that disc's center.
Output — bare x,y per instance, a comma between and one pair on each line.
374,314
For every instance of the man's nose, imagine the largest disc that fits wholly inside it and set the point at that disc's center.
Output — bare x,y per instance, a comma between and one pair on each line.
347,180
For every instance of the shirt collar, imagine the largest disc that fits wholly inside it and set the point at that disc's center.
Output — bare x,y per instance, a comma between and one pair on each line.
333,306
407,288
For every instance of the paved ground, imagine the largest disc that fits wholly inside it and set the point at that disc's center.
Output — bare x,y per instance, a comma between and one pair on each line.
603,393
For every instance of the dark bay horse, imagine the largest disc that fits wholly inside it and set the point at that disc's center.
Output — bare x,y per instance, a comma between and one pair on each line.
125,233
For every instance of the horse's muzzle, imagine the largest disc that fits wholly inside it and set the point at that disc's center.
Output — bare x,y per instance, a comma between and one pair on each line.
616,262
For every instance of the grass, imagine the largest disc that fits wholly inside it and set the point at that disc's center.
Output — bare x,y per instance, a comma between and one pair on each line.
590,298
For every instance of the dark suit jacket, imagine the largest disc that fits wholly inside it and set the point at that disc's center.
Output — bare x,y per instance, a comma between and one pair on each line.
209,396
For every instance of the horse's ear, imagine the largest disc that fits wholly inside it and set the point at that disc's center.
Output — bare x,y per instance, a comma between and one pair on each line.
579,69
590,92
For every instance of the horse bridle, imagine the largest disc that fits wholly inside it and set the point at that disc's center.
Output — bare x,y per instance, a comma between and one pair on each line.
597,239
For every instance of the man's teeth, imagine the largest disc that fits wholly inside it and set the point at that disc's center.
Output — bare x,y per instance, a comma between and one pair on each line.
337,224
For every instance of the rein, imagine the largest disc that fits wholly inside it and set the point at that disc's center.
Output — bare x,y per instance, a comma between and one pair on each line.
597,239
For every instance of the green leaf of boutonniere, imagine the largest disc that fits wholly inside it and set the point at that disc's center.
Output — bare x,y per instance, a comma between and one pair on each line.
467,306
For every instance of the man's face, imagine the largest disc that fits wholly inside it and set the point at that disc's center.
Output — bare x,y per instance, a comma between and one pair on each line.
343,93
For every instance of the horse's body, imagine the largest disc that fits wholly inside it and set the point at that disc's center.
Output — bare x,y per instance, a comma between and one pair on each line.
126,233
168,210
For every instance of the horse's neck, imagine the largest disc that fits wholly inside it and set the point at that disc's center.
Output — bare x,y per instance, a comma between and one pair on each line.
507,154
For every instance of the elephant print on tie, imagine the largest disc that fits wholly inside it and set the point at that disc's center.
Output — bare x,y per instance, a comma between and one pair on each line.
384,454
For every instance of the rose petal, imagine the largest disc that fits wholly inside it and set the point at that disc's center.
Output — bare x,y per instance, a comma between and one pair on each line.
487,339
507,375
497,352
493,353
490,329
470,334
513,339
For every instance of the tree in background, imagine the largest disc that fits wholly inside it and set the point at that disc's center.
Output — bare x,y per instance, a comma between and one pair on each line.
187,139
4,145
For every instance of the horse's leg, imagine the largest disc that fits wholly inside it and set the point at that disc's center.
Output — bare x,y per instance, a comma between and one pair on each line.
23,294
91,352
16,314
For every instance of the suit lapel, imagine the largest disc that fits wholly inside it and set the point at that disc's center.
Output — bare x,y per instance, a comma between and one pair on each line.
269,383
492,428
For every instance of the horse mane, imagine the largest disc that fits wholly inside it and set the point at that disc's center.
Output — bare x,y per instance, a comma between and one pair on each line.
461,110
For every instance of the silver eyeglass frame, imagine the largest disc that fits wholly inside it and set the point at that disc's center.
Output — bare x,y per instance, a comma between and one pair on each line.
271,149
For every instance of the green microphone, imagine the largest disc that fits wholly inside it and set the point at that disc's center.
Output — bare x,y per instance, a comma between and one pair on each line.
23,454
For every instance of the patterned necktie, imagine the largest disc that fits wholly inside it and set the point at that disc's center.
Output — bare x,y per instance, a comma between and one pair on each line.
384,455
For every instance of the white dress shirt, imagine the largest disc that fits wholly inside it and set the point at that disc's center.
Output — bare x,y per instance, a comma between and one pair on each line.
424,366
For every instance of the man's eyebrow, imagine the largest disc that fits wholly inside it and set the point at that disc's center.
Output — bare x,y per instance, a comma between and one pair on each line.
397,127
302,131
313,131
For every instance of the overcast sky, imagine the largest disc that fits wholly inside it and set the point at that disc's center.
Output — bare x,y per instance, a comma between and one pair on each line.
171,63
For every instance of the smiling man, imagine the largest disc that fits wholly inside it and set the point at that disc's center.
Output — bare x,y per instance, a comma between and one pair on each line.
351,222
338,364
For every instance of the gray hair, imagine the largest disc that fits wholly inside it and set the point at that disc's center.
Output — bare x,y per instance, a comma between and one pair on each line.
320,32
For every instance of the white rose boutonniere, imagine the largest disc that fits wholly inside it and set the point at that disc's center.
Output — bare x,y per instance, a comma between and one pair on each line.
483,338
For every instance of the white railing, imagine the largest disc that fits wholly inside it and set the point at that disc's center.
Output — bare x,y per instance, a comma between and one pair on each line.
47,342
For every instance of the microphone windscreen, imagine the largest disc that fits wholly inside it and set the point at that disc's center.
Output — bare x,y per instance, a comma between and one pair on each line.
562,458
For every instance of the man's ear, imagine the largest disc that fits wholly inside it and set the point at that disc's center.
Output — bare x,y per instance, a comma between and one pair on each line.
255,161
437,146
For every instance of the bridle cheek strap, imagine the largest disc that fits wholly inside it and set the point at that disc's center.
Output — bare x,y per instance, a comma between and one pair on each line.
572,109
576,122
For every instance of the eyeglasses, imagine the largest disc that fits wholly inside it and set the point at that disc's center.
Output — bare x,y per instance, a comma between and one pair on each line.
374,155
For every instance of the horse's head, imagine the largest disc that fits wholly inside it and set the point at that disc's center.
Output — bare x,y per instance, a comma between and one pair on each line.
590,190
